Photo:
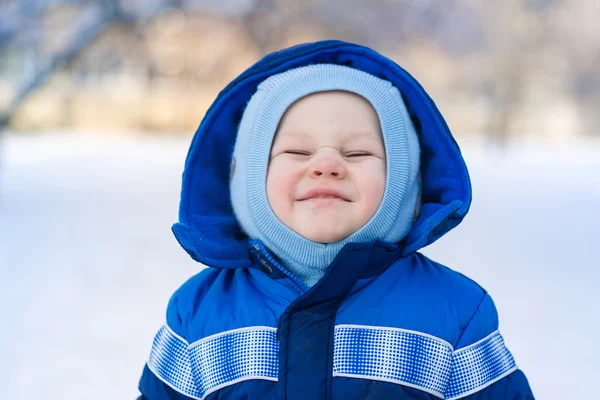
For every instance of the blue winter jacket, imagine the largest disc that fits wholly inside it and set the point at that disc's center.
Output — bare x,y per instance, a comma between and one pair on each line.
385,322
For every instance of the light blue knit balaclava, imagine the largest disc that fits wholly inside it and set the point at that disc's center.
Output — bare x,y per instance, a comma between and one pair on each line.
392,220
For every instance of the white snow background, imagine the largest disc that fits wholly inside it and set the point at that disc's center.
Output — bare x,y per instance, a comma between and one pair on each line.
88,261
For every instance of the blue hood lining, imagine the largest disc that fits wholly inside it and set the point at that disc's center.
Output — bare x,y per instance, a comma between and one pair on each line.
207,228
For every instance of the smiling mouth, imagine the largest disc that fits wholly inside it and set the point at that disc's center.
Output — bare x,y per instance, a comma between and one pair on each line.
326,197
325,200
324,194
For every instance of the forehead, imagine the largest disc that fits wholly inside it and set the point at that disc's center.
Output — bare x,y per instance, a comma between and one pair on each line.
332,112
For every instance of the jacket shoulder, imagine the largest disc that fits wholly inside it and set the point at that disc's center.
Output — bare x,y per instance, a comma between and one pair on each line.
216,301
450,283
188,297
416,294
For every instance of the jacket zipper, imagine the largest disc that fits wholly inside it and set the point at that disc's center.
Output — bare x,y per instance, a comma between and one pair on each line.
265,256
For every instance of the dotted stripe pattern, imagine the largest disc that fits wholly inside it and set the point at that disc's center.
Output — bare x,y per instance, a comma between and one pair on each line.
208,365
477,366
169,361
393,355
235,356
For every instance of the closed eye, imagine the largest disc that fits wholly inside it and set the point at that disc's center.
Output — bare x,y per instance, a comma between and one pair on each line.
298,152
358,154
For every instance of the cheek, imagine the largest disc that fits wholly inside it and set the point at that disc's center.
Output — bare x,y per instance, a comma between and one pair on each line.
372,186
281,182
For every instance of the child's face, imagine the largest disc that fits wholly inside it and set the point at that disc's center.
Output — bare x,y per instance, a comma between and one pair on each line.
327,167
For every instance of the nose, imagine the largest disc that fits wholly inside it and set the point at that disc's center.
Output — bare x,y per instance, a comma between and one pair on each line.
327,166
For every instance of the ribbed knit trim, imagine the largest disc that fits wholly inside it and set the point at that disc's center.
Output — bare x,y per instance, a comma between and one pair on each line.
393,218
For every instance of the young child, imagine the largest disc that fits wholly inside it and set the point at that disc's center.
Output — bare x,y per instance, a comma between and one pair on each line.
310,186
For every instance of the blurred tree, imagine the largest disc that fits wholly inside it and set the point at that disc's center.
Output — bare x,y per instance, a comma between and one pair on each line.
261,22
501,67
58,46
518,31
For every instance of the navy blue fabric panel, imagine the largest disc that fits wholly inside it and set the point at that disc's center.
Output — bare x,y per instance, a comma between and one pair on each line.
306,353
306,328
512,387
364,389
153,388
255,389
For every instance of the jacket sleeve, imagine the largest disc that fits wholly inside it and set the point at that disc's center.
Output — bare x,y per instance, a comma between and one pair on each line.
482,366
168,373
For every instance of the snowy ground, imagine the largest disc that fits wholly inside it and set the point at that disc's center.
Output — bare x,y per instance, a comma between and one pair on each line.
88,262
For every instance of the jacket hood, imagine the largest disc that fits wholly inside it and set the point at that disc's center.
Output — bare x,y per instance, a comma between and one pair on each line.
208,229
